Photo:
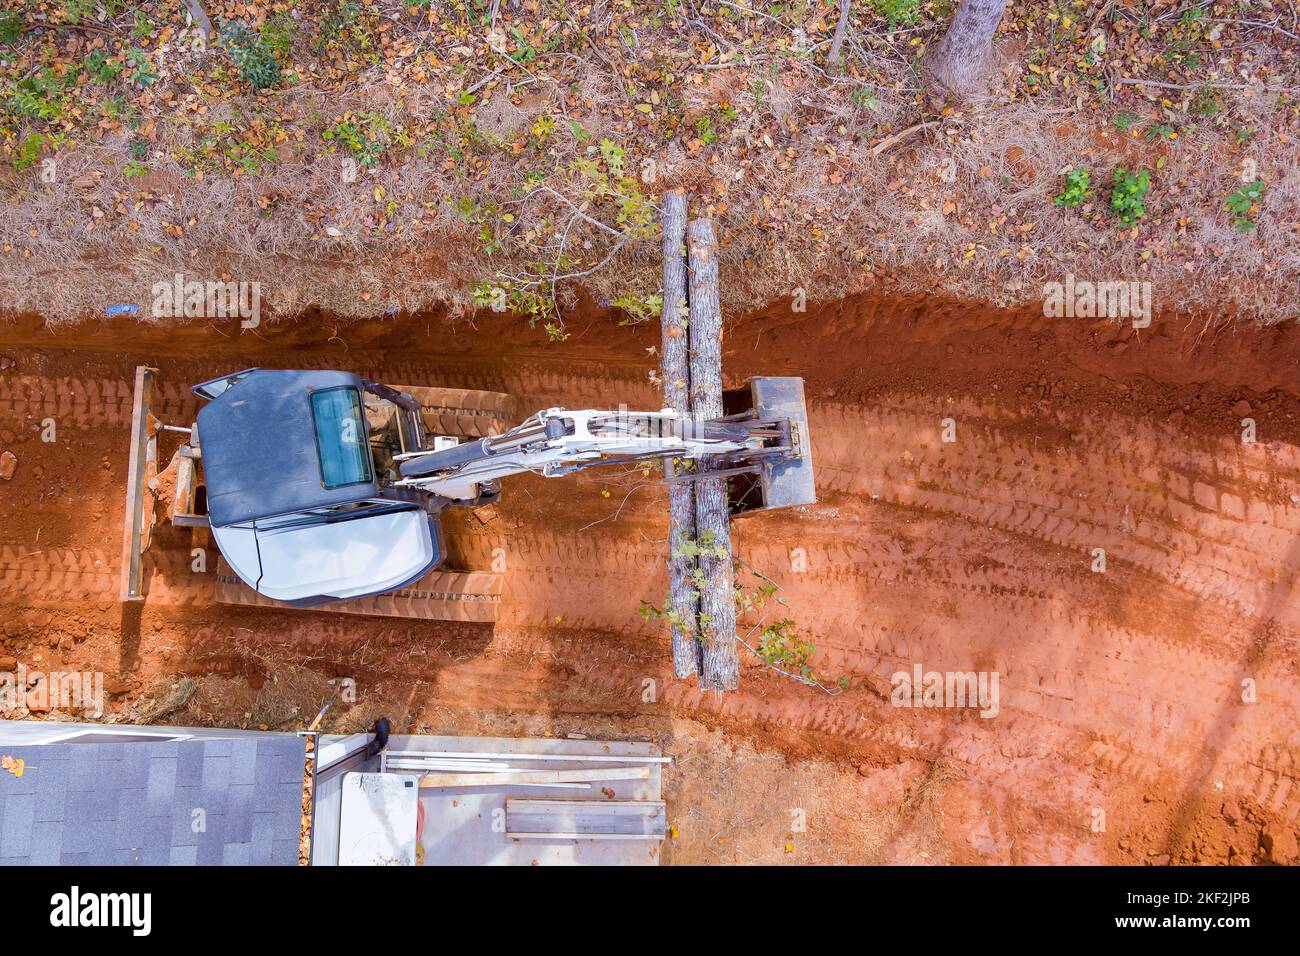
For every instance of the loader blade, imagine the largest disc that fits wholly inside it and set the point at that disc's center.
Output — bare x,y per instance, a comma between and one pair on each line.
142,467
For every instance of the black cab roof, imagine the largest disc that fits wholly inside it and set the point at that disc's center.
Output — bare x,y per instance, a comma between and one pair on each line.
261,457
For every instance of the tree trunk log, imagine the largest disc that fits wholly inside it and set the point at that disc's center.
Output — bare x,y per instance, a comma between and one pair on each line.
720,669
200,19
959,63
841,28
675,372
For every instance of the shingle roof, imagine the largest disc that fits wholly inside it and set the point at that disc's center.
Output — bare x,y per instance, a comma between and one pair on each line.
138,803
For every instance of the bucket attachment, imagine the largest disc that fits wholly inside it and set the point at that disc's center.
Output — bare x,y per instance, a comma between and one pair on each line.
781,476
188,508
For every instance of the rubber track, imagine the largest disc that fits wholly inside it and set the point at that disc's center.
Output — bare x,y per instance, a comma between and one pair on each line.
462,411
473,596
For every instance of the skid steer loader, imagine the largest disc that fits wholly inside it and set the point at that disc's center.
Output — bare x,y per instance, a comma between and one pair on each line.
323,489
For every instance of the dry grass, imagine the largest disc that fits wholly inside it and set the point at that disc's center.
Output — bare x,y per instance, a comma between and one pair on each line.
167,701
964,207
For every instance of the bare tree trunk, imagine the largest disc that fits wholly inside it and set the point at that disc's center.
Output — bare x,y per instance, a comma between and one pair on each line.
200,19
675,371
959,63
841,28
720,669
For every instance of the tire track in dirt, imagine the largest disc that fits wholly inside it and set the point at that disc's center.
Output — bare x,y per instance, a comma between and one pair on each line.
85,403
1053,658
973,555
1226,530
59,574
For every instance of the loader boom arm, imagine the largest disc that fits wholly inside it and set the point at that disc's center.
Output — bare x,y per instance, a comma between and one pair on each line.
556,442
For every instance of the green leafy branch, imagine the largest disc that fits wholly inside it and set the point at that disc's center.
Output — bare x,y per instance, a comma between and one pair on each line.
777,644
605,200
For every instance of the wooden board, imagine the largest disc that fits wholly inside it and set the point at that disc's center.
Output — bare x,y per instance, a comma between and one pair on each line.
537,819
143,458
520,777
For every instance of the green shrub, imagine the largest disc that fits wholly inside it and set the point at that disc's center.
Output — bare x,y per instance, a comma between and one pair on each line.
29,151
101,68
74,11
39,96
278,32
1076,189
1126,121
1208,101
11,27
142,72
898,12
1128,197
253,57
1244,202
365,135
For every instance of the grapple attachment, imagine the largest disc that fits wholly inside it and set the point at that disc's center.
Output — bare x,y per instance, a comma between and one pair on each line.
780,473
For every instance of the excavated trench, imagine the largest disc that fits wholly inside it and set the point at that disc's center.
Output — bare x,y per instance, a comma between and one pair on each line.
1096,533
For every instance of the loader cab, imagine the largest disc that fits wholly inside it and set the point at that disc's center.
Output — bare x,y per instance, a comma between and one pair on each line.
299,469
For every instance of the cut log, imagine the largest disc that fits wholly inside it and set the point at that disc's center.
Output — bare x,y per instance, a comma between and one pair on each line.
675,372
720,667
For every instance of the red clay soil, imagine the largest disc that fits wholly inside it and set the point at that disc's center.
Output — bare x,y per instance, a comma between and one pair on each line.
1120,691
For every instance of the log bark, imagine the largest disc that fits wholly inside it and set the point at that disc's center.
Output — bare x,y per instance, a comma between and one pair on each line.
841,28
959,63
720,666
200,19
675,372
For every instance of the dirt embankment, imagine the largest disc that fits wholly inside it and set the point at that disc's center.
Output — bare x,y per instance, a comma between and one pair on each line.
1121,733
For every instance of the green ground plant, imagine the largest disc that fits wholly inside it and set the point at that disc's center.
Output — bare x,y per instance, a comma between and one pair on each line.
1244,203
367,136
1128,197
252,56
1077,187
899,13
